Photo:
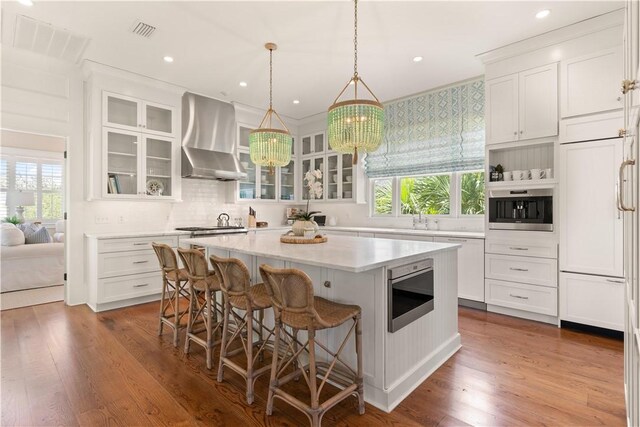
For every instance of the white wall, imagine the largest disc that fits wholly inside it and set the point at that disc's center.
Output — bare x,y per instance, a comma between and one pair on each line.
44,96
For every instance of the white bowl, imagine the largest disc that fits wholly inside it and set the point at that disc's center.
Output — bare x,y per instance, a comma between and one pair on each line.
348,178
245,164
284,170
334,177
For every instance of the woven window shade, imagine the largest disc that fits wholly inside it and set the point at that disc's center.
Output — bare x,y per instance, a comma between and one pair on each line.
438,131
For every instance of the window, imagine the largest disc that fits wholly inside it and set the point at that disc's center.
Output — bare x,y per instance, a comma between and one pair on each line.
472,193
453,194
383,195
40,175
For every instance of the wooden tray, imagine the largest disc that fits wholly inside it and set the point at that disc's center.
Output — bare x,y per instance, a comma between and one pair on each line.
301,240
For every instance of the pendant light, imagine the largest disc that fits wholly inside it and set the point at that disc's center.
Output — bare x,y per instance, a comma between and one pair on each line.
356,124
269,146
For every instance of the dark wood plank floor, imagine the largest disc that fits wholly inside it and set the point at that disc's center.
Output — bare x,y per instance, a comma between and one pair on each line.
68,366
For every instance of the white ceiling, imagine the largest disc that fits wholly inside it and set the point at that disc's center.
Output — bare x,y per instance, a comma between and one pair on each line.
217,44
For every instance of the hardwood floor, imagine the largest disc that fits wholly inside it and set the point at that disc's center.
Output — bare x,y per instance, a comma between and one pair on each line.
68,366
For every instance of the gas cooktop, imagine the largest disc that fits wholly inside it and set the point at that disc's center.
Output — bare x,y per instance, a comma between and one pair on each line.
228,227
204,231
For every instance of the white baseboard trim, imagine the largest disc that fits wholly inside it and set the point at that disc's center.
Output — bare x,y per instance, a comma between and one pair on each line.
124,303
29,297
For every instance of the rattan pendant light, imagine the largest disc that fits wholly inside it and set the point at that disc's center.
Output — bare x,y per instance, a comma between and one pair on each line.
269,146
355,125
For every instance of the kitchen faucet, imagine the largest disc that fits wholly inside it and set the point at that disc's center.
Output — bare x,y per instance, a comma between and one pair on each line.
418,221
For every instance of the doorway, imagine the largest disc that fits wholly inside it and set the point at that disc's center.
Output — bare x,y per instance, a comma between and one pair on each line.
32,211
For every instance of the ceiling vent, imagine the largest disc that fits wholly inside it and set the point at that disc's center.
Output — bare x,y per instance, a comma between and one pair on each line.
43,38
142,29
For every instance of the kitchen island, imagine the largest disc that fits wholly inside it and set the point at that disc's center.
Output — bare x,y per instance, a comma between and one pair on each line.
354,270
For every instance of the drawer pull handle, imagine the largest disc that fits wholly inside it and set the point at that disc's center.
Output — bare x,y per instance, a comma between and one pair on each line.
518,296
518,249
518,269
142,285
615,281
327,284
140,262
457,240
140,244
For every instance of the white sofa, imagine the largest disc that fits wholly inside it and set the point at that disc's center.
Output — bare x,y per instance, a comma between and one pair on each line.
31,266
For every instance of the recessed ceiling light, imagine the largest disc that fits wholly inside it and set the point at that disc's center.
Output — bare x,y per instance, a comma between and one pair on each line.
296,101
243,84
25,2
168,59
417,58
543,13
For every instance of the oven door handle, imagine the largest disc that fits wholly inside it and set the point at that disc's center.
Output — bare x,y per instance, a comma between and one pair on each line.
409,276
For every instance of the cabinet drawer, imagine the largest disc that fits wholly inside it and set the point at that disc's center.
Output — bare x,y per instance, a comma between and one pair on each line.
592,300
590,128
537,299
122,263
535,271
134,244
403,237
125,287
527,248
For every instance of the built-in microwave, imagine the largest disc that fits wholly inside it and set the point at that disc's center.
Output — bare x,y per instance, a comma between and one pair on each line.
527,210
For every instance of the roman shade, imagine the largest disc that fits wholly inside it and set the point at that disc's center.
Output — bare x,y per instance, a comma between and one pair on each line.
437,131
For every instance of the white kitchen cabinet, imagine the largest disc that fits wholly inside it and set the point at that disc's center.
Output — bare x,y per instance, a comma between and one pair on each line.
124,271
502,109
591,83
138,165
591,128
470,267
591,227
592,300
522,296
538,102
134,114
314,163
522,106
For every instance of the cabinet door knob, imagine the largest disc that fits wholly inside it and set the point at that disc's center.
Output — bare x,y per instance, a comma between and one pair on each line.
327,284
515,132
521,132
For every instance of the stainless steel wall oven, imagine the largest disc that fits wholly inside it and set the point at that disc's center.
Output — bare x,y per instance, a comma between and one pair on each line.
410,293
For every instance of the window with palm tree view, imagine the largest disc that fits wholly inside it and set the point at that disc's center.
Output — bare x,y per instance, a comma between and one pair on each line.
458,193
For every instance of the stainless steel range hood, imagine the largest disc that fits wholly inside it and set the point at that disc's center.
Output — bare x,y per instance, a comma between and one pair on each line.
208,139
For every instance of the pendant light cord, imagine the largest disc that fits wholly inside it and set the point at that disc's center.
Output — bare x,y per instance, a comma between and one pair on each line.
270,83
355,39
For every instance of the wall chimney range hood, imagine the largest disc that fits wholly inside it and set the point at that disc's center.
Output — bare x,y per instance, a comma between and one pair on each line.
208,139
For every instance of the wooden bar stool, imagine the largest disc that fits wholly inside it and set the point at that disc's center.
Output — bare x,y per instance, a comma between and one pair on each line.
239,295
204,307
174,280
295,306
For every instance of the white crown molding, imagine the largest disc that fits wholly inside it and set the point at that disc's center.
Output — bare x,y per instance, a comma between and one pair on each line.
90,67
573,31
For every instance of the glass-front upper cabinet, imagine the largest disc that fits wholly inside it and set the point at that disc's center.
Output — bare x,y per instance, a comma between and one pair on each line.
332,177
346,176
137,165
247,187
314,163
312,144
158,165
122,155
129,113
267,184
287,181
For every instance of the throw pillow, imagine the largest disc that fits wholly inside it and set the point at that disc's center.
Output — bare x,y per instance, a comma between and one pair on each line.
28,228
40,236
58,237
11,236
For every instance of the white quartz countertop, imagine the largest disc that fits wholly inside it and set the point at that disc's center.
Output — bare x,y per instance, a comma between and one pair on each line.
380,230
348,253
125,234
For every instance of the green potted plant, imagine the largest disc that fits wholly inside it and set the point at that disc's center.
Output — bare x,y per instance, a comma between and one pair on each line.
13,220
304,219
